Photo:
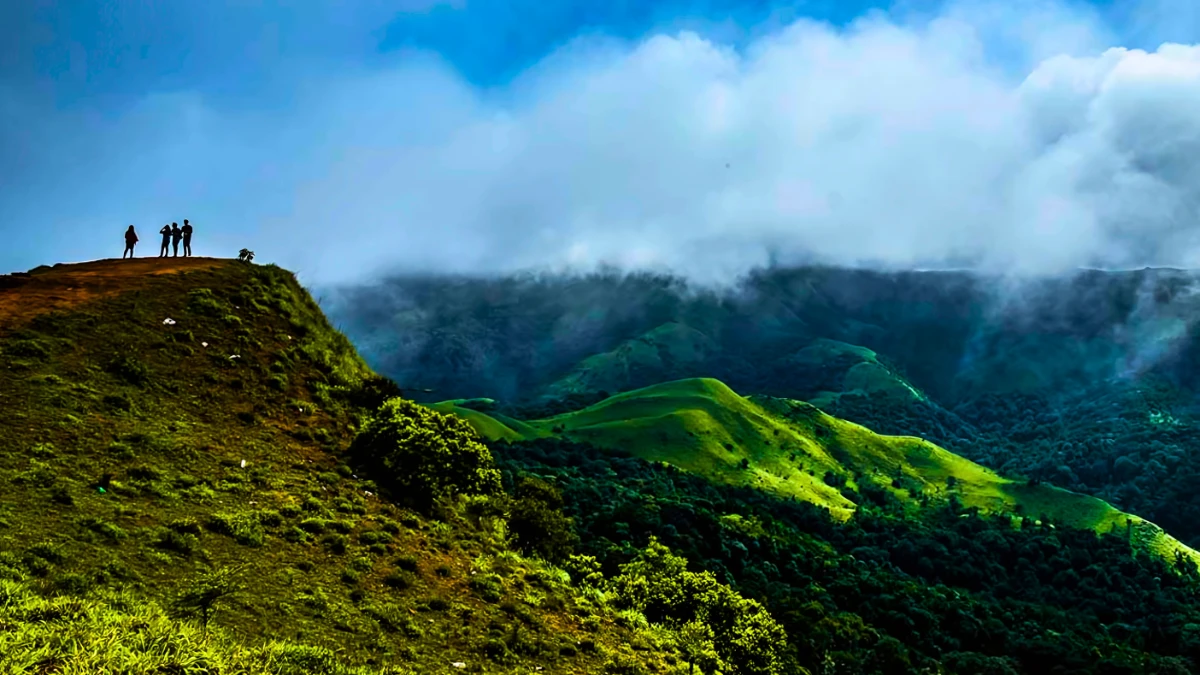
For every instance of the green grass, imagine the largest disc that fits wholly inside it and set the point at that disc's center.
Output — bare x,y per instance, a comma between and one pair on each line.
144,456
790,448
122,632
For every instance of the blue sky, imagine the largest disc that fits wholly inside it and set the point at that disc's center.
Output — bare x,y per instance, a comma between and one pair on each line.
238,112
102,53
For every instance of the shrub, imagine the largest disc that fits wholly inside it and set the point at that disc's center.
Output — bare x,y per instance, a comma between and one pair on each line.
118,449
51,553
400,580
177,542
407,562
103,528
537,522
374,537
314,525
420,455
243,527
487,587
129,369
202,301
270,518
117,402
336,543
29,349
296,535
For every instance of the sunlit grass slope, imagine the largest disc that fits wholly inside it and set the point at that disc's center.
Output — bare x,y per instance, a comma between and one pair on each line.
164,421
793,449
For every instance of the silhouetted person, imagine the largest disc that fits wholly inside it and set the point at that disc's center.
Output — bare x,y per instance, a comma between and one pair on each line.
176,235
187,238
166,235
130,240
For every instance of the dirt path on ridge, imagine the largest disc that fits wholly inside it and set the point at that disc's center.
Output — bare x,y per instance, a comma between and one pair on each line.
24,295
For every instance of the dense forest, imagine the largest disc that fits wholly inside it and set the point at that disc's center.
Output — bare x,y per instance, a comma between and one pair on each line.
884,593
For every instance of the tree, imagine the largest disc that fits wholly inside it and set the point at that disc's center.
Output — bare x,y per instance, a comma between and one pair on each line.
695,640
206,592
537,522
420,456
746,639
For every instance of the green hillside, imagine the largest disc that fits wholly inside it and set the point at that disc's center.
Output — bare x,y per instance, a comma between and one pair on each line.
792,449
174,437
1063,379
667,352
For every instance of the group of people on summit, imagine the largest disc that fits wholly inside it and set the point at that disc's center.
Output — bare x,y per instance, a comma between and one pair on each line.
171,236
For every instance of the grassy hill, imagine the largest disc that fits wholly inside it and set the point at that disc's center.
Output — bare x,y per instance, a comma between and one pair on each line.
1063,379
792,449
668,352
174,428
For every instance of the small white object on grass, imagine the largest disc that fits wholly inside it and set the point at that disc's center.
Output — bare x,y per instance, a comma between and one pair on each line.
243,463
168,321
203,344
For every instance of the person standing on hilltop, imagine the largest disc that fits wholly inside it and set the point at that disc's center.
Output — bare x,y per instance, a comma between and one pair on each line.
166,235
130,240
187,238
176,235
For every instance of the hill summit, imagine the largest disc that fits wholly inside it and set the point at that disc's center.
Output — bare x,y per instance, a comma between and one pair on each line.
177,497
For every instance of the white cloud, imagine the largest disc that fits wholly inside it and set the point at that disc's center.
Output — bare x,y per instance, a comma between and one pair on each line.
896,142
884,143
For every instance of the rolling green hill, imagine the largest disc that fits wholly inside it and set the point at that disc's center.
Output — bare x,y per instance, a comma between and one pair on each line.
1064,380
792,449
174,431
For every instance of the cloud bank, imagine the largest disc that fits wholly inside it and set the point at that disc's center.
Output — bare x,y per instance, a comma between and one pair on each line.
1007,140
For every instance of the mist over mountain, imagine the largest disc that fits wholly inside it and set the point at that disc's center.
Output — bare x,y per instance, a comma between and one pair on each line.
511,336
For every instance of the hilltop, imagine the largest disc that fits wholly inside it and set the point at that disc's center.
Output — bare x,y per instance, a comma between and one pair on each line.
174,427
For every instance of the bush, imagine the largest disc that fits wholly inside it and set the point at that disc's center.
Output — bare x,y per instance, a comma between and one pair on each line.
737,630
487,586
419,455
243,527
202,301
335,543
537,522
129,369
177,542
400,580
30,349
